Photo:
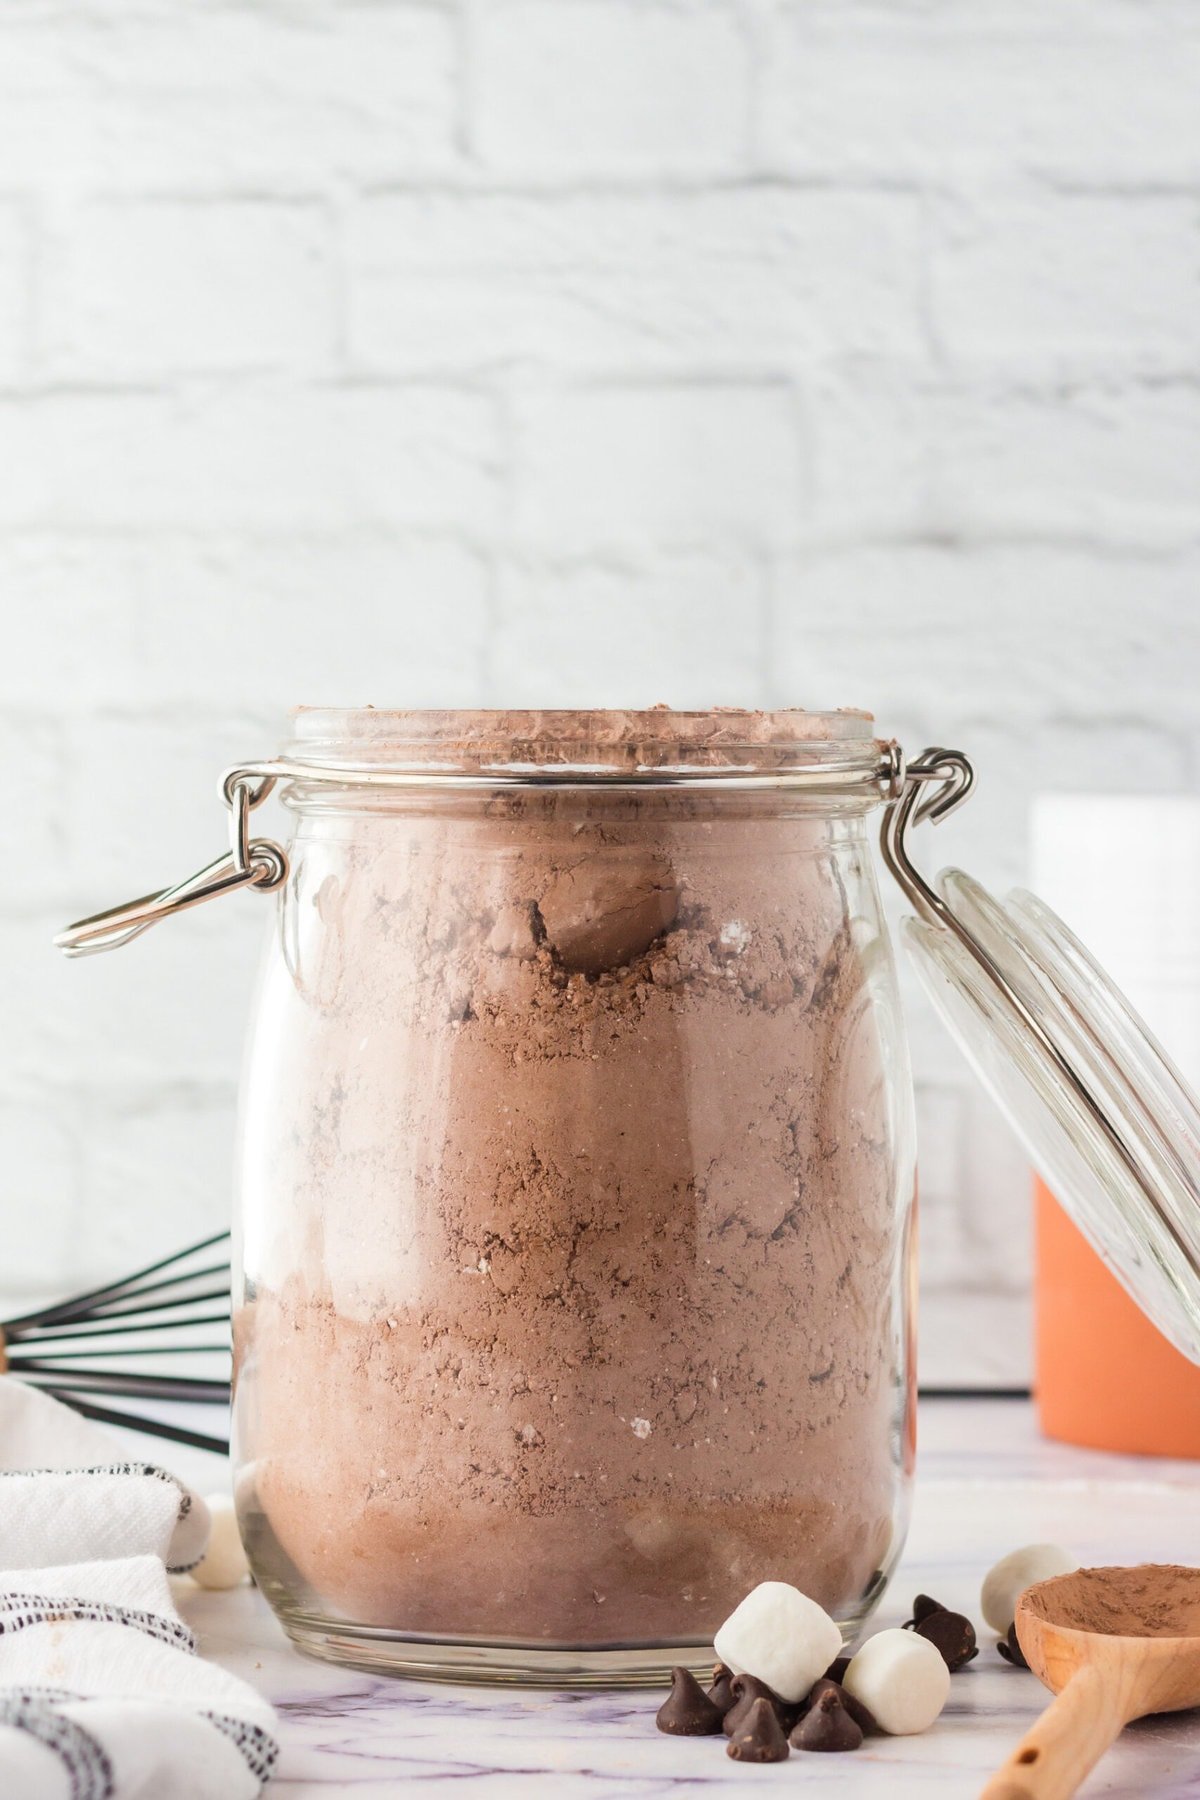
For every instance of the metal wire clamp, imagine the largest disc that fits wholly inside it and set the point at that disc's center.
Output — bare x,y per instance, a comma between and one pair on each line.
930,787
249,862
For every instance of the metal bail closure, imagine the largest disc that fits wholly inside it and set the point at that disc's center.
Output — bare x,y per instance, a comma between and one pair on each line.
1106,1118
249,862
261,863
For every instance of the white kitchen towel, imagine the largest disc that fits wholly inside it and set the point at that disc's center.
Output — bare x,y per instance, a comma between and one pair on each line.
102,1695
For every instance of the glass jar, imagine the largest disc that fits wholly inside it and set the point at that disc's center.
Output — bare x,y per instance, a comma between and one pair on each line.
574,1258
575,1187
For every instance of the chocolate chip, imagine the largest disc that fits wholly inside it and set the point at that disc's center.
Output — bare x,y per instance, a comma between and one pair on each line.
760,1738
746,1689
687,1711
923,1607
827,1725
721,1693
952,1634
1010,1648
837,1669
863,1717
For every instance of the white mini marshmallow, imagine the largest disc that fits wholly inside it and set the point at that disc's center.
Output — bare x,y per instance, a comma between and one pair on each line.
781,1636
902,1679
1015,1572
223,1564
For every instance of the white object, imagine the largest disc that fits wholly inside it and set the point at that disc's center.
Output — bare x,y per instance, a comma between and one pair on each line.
902,1680
1123,871
101,1690
1004,1584
223,1564
781,1636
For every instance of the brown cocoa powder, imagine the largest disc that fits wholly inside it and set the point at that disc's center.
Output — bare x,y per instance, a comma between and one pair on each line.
575,1243
1143,1600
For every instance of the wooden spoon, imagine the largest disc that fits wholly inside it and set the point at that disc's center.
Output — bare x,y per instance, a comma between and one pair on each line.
1114,1645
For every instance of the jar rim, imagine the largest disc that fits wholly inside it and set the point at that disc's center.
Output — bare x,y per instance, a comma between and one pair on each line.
583,744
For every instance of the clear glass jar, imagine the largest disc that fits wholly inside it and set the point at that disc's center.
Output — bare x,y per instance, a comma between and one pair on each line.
577,1170
575,1188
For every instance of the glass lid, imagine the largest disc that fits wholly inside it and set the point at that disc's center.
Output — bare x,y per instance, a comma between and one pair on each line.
1105,1116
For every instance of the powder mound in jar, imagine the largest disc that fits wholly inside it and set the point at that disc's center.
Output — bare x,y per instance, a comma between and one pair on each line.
576,1309
600,913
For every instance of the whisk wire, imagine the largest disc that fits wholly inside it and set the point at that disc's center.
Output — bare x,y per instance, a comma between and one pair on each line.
175,1434
164,1387
114,1307
105,1308
83,1332
152,1306
47,1346
17,1363
76,1303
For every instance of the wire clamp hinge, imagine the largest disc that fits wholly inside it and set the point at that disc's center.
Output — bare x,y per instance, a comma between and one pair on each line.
249,862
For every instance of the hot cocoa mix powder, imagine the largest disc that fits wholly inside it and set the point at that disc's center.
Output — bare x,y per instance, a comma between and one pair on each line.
573,1240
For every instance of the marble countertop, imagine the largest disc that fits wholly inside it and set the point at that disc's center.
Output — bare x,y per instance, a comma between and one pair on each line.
987,1482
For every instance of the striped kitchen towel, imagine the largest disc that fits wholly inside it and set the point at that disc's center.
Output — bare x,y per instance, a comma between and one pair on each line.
102,1695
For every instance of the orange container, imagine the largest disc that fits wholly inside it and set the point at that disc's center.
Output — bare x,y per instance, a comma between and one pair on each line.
1105,1377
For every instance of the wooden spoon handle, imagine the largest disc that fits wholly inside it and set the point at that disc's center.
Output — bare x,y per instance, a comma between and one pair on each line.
1068,1740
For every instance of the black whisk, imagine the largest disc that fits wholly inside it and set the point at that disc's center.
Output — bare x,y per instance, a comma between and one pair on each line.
68,1348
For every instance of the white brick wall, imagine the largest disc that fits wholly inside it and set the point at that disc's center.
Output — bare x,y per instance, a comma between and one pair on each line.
565,350
608,88
154,290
